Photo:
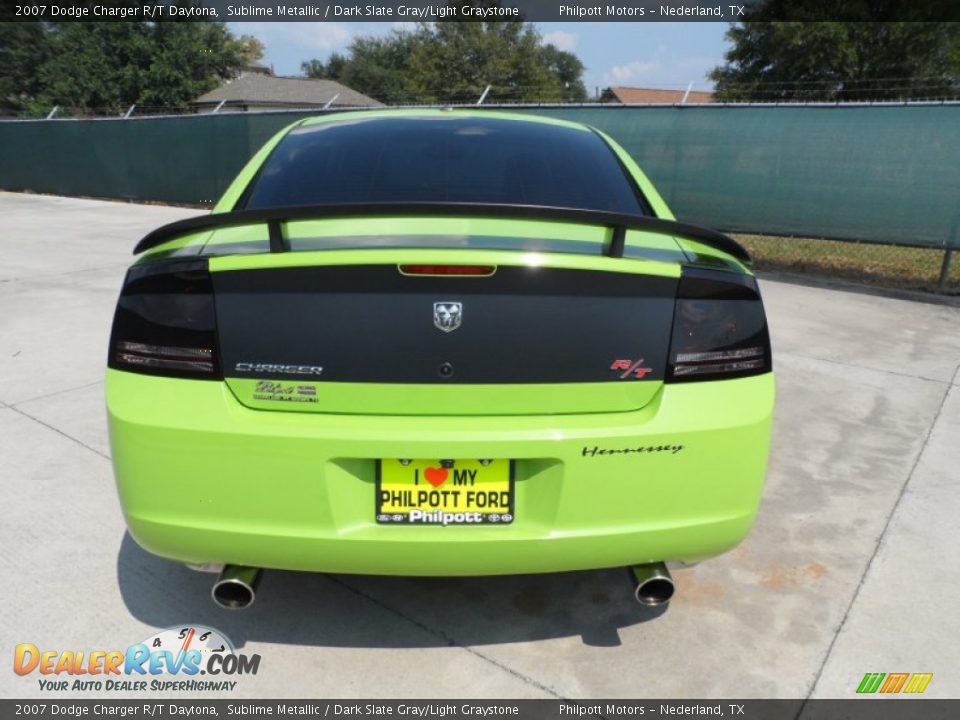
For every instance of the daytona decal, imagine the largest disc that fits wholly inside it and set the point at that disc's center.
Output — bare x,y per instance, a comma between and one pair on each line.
284,392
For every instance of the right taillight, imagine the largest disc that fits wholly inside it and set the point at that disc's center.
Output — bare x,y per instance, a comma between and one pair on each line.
719,328
165,322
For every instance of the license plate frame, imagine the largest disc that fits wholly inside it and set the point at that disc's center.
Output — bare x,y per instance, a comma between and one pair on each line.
446,516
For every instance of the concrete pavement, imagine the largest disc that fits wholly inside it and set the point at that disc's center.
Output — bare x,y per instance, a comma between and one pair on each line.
849,569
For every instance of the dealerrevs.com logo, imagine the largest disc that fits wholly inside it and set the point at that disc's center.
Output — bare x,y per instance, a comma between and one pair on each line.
189,658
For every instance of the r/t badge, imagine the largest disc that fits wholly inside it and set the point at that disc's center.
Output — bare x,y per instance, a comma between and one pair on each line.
631,369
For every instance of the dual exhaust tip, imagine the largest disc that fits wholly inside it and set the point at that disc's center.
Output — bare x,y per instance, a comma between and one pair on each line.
654,585
236,588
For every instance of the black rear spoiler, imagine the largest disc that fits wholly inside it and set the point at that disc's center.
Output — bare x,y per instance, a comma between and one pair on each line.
275,217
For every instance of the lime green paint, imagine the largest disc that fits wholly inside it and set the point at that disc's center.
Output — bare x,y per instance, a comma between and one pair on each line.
240,182
204,479
199,239
467,226
446,226
704,254
441,113
392,226
438,256
657,203
206,473
409,399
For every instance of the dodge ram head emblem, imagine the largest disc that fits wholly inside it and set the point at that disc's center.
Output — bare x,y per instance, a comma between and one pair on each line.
447,315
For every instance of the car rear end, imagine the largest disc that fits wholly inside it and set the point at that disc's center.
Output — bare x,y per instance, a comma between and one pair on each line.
439,390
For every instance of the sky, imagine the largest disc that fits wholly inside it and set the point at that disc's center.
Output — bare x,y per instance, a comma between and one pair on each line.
661,55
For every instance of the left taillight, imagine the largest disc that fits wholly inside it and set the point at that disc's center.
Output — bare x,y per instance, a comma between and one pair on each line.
165,322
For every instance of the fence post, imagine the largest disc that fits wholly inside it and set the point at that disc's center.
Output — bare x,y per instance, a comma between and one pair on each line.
945,269
330,102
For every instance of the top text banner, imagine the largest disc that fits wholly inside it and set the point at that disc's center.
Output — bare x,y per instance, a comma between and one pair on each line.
454,10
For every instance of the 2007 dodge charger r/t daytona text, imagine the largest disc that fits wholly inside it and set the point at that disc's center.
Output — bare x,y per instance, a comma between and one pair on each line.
439,342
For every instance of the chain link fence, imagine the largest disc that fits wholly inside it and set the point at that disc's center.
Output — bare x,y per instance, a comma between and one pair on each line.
886,90
931,270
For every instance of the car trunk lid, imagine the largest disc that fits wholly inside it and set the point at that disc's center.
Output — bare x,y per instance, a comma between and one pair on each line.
337,332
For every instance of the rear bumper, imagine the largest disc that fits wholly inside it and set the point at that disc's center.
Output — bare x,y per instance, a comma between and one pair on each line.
204,479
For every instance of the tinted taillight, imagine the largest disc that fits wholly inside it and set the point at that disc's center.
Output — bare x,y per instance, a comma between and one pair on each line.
719,328
165,322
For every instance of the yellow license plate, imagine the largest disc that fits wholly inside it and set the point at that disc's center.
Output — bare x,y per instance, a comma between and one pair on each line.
444,492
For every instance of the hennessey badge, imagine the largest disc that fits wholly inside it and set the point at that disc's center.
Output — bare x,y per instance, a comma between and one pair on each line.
447,315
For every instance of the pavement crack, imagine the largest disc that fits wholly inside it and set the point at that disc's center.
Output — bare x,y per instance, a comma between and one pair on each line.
447,639
59,431
857,366
883,534
54,394
52,275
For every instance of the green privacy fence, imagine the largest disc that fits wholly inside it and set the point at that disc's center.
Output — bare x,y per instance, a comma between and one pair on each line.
888,174
877,173
185,159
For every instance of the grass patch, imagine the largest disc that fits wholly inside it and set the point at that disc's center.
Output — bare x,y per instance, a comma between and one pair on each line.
868,263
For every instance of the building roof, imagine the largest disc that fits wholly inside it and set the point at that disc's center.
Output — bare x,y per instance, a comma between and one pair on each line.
259,89
257,67
634,95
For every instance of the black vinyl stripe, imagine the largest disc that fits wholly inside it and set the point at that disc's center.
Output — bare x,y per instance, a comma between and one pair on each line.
370,323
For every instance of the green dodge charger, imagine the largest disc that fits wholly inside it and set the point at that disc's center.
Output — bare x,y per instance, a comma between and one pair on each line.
439,342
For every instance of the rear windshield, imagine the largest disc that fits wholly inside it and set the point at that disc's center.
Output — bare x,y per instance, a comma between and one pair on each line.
482,160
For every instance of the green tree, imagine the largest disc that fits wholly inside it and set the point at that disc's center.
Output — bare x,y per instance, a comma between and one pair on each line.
462,58
833,61
23,50
375,66
329,70
568,70
104,67
454,62
251,48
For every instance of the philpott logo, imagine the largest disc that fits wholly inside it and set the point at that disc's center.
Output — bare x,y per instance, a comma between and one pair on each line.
169,661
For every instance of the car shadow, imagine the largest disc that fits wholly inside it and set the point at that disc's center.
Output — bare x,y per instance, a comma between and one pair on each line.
386,612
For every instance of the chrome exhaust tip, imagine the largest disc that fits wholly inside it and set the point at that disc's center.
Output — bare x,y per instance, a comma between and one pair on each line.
654,584
236,588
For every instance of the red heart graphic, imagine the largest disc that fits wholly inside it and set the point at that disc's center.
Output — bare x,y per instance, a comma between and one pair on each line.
435,476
